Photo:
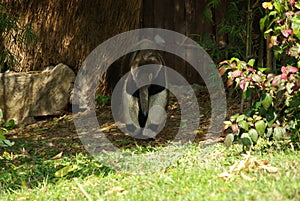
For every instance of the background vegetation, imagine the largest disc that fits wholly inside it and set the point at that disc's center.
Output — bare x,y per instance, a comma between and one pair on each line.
272,90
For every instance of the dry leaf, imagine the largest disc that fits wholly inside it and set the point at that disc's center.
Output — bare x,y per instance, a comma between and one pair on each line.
269,169
247,177
57,156
107,128
117,189
225,175
25,153
249,163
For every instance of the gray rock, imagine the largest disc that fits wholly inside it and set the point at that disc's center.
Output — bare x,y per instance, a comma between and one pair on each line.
27,95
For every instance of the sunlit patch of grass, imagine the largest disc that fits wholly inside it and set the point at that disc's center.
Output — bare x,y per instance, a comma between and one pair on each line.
194,175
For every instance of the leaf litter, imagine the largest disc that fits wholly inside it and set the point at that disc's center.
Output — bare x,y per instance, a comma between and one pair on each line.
248,164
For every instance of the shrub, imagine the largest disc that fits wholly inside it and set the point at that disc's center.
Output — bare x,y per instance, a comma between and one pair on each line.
275,113
3,129
282,22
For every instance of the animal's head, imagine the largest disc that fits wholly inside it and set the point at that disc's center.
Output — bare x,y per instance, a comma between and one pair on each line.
145,57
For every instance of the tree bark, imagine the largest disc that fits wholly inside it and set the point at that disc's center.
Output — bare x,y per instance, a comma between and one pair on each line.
67,31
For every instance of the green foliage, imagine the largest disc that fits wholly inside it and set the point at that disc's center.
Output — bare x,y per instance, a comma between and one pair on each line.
208,42
233,25
275,113
3,129
102,100
11,30
9,125
282,23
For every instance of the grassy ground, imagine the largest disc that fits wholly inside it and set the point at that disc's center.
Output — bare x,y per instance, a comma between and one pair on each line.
200,173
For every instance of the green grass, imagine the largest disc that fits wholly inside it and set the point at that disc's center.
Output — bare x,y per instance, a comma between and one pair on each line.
195,175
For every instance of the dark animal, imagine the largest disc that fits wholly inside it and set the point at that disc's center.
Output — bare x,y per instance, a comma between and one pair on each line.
144,109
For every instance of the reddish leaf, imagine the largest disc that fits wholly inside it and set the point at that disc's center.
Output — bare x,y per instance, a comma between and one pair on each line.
276,80
270,75
222,71
283,69
236,73
229,82
292,69
251,69
242,84
284,76
286,33
235,128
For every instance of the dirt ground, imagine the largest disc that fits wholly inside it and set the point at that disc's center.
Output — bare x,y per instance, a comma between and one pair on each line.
58,134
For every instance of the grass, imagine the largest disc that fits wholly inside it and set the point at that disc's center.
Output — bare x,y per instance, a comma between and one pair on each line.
195,175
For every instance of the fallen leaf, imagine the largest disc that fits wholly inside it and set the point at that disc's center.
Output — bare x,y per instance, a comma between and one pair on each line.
117,189
269,169
65,170
247,177
225,175
107,128
249,163
57,156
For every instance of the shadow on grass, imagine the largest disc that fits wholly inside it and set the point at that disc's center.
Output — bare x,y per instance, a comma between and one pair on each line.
34,159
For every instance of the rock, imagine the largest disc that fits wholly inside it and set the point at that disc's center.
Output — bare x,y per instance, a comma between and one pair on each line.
27,95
